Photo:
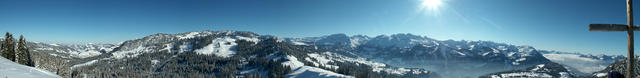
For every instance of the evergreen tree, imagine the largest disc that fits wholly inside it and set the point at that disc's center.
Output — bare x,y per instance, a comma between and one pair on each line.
23,56
18,52
8,49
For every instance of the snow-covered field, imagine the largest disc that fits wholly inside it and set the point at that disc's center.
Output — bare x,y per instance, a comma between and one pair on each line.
222,47
9,69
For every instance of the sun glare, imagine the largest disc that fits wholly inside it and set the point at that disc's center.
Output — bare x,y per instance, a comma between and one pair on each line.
433,4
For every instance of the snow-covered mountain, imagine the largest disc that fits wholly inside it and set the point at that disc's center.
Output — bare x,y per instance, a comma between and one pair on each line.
449,57
9,69
241,54
547,70
231,54
55,58
71,51
618,66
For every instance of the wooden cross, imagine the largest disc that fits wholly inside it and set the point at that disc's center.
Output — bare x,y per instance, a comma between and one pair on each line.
618,27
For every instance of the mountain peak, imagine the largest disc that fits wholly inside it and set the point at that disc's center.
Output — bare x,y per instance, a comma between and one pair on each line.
334,40
405,35
338,35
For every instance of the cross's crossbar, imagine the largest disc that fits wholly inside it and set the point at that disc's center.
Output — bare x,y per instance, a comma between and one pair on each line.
611,27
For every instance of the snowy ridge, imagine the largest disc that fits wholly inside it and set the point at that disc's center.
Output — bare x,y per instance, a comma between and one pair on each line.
193,34
301,71
223,45
314,72
327,57
399,40
253,39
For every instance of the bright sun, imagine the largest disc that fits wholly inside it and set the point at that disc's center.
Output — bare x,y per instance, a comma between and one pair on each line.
433,4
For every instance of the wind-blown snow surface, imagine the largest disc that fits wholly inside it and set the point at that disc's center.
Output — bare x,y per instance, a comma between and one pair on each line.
9,69
582,63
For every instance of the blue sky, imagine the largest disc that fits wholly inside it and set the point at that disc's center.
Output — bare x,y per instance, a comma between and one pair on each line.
545,24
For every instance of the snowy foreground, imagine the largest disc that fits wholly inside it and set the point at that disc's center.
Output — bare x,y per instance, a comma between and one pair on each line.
9,69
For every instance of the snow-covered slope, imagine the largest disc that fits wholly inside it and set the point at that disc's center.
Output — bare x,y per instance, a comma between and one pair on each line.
9,69
619,66
301,71
314,72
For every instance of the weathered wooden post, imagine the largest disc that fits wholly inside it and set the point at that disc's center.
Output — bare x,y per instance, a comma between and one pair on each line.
618,27
630,28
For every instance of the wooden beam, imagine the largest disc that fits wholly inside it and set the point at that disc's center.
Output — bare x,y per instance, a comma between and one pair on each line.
611,27
631,28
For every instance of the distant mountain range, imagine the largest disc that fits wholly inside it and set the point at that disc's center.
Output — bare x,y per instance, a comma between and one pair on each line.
246,54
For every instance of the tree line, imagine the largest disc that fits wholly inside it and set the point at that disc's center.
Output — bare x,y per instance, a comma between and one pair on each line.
16,51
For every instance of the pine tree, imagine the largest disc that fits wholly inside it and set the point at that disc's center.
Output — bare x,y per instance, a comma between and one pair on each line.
18,53
8,49
23,56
